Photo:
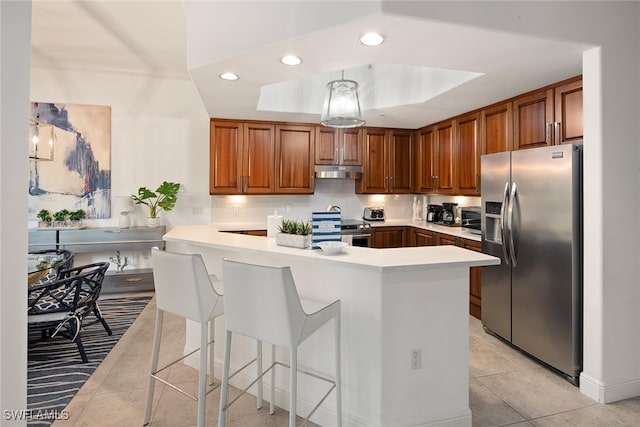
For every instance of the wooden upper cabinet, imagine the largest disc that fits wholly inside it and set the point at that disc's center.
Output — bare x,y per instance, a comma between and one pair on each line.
445,137
568,126
326,151
496,127
533,120
241,158
225,157
400,161
338,146
424,161
258,158
294,159
387,161
468,154
375,167
350,146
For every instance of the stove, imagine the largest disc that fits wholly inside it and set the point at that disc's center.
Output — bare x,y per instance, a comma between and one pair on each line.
356,232
354,226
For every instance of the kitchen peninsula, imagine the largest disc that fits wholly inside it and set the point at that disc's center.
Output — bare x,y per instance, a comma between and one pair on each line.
395,303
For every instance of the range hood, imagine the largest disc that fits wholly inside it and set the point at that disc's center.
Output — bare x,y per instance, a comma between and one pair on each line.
338,171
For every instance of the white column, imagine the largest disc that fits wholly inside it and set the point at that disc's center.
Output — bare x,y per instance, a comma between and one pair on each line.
15,47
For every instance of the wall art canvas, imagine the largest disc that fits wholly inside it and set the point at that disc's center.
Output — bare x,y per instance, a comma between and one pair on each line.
79,176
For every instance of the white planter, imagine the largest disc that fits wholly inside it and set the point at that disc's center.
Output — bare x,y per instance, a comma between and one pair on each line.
293,240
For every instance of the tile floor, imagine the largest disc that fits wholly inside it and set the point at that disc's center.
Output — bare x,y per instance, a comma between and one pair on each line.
505,388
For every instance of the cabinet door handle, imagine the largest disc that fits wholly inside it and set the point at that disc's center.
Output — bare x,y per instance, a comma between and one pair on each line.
548,134
558,134
478,183
341,155
337,159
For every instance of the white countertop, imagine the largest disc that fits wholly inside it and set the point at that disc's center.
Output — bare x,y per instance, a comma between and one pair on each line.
453,231
379,259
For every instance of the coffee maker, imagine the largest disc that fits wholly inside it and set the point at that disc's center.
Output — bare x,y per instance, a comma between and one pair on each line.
434,213
449,213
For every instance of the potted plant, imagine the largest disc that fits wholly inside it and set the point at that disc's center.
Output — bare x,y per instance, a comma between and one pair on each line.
45,218
294,233
60,218
76,217
163,198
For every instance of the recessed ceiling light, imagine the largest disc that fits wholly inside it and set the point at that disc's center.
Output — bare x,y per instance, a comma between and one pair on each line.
372,39
291,60
228,76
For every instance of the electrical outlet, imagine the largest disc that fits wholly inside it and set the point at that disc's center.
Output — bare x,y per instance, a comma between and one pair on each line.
288,207
416,358
236,209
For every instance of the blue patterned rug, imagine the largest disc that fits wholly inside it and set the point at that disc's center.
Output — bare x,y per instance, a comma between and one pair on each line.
55,371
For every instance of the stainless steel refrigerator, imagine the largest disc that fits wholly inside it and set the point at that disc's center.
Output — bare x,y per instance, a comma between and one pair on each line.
532,220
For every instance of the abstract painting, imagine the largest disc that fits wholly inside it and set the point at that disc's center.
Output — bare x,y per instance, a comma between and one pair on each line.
79,176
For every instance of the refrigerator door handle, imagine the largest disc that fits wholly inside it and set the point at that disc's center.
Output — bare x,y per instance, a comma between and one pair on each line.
512,201
503,222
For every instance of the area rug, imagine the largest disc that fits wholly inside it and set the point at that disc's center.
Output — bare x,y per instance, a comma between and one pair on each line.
55,371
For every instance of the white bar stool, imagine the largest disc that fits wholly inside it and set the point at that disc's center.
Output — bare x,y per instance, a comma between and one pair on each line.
262,303
183,287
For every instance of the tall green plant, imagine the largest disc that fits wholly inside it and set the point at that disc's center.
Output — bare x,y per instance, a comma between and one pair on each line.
163,199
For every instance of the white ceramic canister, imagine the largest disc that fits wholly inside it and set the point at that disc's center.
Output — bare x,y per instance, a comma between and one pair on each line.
273,222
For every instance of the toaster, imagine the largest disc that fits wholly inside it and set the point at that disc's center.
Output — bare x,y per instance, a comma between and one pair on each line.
373,213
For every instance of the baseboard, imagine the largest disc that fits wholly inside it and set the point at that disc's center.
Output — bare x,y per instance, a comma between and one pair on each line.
608,392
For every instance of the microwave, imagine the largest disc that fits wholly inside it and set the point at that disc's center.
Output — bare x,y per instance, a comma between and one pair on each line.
470,219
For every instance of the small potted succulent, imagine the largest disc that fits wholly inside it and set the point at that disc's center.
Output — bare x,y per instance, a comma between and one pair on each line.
45,218
60,218
294,233
75,218
164,198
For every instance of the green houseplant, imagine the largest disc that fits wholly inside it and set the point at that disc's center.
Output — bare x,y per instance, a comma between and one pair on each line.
294,233
45,218
164,198
60,218
76,217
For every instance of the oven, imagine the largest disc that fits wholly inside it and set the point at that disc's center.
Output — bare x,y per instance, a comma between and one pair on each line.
356,232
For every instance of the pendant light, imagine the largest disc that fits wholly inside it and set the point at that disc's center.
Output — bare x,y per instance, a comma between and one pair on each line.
41,137
341,105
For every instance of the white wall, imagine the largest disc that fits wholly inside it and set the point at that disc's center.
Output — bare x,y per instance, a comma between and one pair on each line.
15,40
159,131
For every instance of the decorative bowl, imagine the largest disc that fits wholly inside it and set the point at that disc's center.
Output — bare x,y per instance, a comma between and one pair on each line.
332,248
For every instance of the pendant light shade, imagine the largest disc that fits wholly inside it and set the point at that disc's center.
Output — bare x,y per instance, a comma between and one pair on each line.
341,105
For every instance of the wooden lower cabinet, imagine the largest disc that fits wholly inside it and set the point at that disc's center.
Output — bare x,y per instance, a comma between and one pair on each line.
389,237
475,280
420,237
475,284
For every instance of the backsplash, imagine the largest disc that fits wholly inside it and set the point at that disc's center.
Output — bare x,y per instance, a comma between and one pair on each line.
338,192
